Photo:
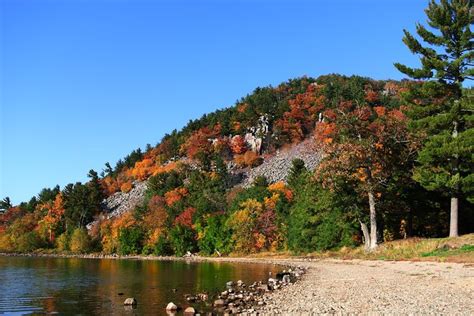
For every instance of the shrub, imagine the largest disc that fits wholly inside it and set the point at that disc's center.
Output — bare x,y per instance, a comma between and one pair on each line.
6,244
214,235
163,247
62,242
182,240
80,241
28,242
131,240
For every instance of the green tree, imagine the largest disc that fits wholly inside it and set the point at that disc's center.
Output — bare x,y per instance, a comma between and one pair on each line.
447,55
131,240
5,204
182,240
297,169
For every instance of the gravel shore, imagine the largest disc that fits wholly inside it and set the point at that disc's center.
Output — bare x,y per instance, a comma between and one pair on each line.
376,287
332,286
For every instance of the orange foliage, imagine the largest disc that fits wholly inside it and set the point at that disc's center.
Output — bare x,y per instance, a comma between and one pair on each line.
371,96
380,110
53,217
199,141
325,132
110,185
174,196
155,219
249,159
241,108
126,187
281,187
143,169
236,126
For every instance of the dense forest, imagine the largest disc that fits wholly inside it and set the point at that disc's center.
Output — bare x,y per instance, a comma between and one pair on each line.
397,162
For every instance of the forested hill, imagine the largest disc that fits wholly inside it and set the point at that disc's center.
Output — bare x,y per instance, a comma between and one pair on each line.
203,188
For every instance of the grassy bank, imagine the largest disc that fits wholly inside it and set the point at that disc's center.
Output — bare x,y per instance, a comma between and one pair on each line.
459,249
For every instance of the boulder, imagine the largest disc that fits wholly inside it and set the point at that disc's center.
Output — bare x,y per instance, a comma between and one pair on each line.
219,303
171,307
189,311
130,301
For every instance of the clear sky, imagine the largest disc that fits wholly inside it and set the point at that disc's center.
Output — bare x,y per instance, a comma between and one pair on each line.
85,82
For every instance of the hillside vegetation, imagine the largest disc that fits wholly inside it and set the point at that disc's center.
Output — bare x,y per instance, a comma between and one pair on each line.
376,161
205,192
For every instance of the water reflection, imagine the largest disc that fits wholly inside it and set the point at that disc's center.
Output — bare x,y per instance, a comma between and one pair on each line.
100,286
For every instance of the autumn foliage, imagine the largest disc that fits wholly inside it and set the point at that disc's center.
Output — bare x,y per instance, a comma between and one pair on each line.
194,201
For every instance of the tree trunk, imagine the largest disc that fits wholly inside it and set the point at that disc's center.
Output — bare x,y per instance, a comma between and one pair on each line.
365,231
453,222
410,223
373,221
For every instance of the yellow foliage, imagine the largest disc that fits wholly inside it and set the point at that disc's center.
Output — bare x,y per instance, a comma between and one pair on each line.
281,187
80,241
6,244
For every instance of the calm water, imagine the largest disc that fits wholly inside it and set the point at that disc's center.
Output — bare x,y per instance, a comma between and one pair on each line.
92,286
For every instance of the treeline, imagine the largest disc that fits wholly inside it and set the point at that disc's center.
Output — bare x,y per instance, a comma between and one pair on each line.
196,208
397,163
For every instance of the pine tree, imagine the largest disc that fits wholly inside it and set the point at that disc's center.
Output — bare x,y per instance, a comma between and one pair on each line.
445,161
5,204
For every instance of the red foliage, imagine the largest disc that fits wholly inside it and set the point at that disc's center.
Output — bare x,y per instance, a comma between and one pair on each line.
238,145
304,109
186,217
199,141
371,96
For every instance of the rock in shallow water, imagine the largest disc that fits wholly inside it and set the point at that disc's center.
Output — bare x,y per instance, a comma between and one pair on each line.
171,307
219,303
190,311
130,301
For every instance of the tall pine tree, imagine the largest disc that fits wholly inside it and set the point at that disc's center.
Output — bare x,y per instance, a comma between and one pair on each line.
445,162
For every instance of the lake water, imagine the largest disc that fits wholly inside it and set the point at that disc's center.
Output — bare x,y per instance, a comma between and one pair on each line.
73,286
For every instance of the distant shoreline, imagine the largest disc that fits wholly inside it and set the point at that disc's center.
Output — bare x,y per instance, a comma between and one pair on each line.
286,262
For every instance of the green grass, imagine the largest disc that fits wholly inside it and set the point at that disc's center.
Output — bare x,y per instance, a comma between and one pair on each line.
445,252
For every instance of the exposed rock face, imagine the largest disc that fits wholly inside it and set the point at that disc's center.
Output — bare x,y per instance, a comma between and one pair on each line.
254,138
255,143
276,168
120,202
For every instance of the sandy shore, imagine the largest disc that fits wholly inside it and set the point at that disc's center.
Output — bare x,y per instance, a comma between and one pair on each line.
360,287
377,287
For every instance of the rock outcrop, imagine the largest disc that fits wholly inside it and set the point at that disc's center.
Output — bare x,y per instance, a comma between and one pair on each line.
121,202
276,168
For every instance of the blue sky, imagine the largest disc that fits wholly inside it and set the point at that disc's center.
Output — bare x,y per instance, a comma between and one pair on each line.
85,82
